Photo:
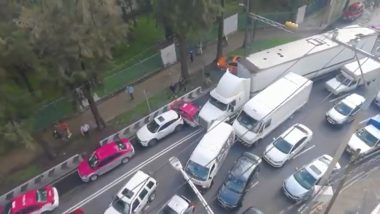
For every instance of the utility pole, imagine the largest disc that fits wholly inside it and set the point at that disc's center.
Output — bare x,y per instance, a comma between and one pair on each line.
341,183
247,39
178,166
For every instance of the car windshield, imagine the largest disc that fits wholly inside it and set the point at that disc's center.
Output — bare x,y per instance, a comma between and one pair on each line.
41,195
167,210
236,184
305,179
197,170
282,145
343,108
7,208
367,137
343,80
248,122
93,161
153,126
217,103
120,205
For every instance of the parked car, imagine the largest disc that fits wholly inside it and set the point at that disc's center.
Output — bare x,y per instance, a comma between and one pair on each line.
252,210
237,182
135,195
160,127
33,202
177,205
345,110
377,99
287,145
105,158
353,11
300,185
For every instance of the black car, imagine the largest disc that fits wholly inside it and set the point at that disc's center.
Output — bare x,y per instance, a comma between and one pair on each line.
238,179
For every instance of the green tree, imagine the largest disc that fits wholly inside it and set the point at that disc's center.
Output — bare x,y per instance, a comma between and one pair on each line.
219,50
75,39
183,17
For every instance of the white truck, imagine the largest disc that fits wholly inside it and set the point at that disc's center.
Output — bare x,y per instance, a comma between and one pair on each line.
351,77
309,57
270,107
210,153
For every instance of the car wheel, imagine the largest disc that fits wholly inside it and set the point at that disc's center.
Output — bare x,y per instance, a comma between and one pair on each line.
152,196
178,128
152,142
124,160
94,177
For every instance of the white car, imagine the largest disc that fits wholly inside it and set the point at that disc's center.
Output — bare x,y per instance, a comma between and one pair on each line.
177,205
288,144
160,127
345,110
300,185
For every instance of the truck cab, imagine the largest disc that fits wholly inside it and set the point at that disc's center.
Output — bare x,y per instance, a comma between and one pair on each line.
225,100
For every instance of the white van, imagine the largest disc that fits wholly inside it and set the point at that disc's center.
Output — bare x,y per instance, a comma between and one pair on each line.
210,153
134,196
350,76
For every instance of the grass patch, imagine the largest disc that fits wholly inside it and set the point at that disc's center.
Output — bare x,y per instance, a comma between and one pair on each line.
261,45
21,176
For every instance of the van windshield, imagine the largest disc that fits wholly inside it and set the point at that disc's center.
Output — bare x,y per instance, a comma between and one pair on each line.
218,104
248,122
343,80
120,205
197,171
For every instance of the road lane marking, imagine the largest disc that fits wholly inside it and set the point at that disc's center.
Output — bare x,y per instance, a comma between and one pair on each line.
132,171
303,151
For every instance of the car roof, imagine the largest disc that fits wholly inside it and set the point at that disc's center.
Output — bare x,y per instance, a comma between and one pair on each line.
353,100
373,130
106,150
178,204
319,166
295,133
166,116
244,166
25,200
137,181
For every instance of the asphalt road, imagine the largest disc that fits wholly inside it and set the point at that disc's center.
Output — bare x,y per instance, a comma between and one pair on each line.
265,193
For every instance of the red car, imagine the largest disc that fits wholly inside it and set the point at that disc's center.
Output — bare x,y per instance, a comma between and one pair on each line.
33,202
353,11
187,110
105,158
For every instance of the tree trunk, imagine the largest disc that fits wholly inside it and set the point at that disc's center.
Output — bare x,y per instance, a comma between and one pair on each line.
26,81
248,27
94,109
183,57
219,50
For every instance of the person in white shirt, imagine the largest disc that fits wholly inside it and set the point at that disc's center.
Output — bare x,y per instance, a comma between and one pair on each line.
85,130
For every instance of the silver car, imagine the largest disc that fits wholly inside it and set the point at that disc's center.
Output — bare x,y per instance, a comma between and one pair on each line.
300,185
177,205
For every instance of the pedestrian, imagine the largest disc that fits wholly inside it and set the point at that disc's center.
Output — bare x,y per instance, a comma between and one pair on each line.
64,128
85,130
131,90
191,56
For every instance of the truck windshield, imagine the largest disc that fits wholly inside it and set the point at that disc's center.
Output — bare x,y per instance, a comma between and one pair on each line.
343,108
218,104
120,205
248,122
197,171
367,137
343,80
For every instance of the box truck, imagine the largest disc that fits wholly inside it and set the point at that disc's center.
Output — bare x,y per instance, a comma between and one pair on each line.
309,57
270,107
351,77
211,151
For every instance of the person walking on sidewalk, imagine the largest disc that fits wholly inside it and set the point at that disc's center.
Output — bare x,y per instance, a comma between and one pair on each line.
191,56
85,130
131,90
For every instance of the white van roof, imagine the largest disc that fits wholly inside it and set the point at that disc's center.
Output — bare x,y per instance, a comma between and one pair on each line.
367,64
132,187
273,95
297,49
211,144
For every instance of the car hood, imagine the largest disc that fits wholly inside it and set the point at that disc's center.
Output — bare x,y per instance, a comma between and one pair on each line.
335,85
274,154
143,134
84,168
356,143
338,117
209,112
294,188
228,197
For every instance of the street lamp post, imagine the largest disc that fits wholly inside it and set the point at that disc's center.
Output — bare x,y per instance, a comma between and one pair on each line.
176,164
